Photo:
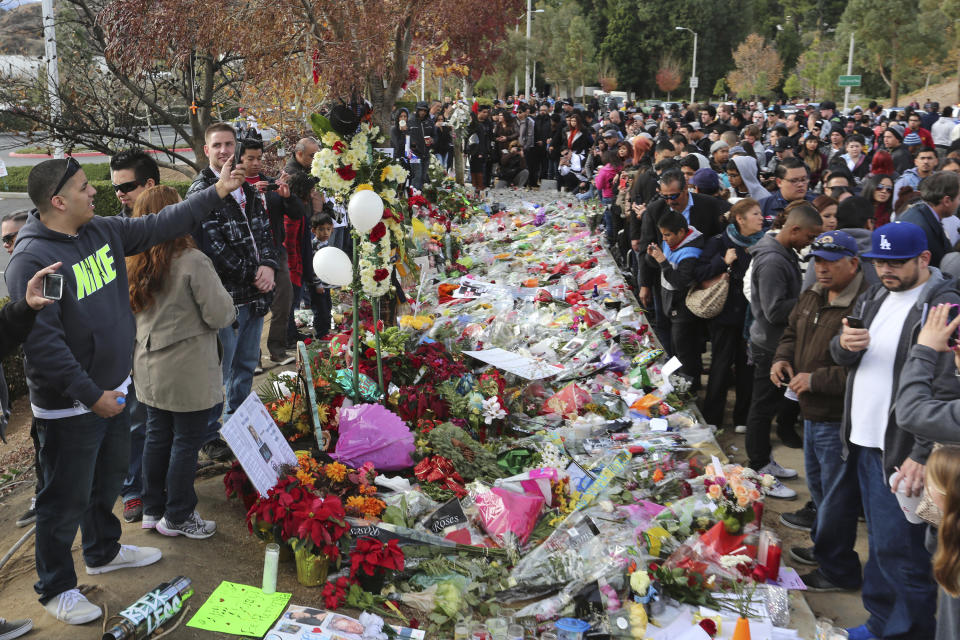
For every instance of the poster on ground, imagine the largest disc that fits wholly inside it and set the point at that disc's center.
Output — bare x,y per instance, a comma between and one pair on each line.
258,443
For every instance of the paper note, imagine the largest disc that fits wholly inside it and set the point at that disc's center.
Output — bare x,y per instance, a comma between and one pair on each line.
529,368
240,610
256,440
788,579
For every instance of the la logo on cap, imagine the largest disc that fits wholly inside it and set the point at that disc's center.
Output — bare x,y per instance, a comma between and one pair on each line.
884,243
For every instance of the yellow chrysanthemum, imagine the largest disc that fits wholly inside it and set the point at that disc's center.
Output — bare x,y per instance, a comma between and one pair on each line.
323,412
284,412
336,471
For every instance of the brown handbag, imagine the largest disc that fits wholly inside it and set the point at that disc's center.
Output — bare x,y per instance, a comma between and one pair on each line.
706,299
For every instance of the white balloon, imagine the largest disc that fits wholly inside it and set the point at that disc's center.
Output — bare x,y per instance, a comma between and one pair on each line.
333,266
365,209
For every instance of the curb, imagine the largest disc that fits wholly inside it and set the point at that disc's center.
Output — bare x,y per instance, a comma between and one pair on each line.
13,195
87,154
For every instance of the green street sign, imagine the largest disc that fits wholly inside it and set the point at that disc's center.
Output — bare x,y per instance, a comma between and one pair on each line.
848,81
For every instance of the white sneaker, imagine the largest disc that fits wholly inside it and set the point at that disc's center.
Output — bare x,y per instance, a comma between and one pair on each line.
128,557
780,490
72,607
149,522
777,471
740,428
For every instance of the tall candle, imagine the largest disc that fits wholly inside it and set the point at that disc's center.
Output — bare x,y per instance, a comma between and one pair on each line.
270,560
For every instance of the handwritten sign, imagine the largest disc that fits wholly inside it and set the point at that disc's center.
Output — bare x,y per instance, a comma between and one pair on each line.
240,610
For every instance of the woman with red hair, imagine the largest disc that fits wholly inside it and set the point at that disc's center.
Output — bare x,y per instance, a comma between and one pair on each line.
882,164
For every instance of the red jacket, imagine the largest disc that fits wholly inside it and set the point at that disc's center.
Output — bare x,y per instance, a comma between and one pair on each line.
292,241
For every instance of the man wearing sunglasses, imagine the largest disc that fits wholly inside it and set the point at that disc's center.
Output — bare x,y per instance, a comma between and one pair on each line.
77,361
880,456
133,172
941,195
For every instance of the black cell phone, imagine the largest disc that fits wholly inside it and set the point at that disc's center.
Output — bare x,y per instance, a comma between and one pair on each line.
951,316
52,286
273,186
854,322
238,154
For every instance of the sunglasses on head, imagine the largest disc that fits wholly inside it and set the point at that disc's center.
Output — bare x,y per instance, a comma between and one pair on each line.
126,187
9,238
72,167
830,246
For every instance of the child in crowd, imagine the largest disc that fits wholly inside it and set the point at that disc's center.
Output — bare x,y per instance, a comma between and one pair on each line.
682,245
321,225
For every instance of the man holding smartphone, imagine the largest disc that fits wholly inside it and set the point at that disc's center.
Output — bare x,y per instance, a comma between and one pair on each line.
236,236
77,361
879,455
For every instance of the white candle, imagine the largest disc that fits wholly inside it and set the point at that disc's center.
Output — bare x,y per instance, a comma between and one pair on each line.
270,560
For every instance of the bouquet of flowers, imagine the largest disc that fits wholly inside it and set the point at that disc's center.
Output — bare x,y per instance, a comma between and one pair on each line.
735,489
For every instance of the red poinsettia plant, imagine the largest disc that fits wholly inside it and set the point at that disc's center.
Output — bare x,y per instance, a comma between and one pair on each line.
373,556
320,522
271,517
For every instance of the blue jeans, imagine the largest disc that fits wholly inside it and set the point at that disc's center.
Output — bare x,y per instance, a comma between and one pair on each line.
822,459
84,460
241,353
898,588
170,462
133,483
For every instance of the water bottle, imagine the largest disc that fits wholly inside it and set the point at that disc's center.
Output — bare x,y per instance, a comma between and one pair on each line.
141,619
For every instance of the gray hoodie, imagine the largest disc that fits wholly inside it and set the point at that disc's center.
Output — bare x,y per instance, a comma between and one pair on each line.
774,289
918,418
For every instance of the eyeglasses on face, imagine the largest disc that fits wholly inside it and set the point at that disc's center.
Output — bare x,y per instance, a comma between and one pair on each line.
894,263
9,238
802,180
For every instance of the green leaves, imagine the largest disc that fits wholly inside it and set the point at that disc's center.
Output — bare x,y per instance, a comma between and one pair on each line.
320,124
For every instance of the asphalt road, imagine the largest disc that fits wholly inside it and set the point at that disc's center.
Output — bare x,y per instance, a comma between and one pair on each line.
9,143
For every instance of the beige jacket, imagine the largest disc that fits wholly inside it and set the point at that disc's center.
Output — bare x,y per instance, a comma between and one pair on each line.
176,361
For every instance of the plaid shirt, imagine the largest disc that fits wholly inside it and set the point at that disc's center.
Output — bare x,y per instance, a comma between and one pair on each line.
238,243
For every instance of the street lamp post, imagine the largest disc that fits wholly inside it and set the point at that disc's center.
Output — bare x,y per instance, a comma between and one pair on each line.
526,52
53,74
693,72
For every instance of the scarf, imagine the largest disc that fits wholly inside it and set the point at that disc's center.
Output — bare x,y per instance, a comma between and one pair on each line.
571,136
741,240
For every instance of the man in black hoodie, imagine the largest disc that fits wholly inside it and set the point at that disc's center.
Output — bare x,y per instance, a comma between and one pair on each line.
77,361
421,139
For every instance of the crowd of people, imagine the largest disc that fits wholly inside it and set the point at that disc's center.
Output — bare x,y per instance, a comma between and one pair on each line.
813,255
154,341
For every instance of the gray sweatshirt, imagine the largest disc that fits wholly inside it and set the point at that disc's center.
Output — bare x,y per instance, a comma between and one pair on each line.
774,289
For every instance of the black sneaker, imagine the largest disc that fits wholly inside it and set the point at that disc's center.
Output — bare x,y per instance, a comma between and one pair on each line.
803,555
132,510
10,629
817,582
30,515
217,450
802,519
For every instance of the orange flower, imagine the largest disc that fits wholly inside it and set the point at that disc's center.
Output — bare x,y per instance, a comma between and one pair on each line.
754,494
658,474
715,491
367,489
741,491
355,504
305,478
336,471
743,501
373,507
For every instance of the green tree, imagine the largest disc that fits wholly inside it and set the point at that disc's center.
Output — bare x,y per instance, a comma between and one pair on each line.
792,88
890,39
720,88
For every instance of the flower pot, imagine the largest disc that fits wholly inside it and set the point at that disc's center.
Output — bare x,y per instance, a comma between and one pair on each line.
742,630
374,583
311,568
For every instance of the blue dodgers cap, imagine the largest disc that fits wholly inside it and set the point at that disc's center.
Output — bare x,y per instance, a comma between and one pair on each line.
897,241
833,245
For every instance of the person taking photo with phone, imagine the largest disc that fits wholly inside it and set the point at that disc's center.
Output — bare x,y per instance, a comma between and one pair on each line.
77,360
